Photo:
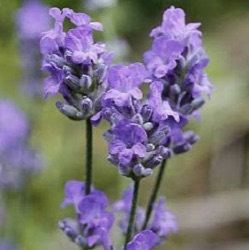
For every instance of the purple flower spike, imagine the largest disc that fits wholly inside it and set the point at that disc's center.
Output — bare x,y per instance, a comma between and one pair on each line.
77,65
145,240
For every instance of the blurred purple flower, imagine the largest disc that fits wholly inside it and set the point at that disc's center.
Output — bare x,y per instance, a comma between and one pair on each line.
7,245
145,240
29,32
163,221
18,160
14,126
93,220
27,16
74,192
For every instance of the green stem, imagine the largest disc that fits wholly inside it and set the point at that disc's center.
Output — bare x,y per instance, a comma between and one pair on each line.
154,193
133,212
88,156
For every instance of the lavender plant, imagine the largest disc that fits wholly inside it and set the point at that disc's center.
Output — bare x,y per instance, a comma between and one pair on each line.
144,131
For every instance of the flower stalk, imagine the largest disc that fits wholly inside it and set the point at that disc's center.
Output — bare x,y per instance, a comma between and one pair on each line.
88,165
133,211
154,193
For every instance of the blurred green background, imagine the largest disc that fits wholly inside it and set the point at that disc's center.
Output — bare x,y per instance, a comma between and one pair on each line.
207,188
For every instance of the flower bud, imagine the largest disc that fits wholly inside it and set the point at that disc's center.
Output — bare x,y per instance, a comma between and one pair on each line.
100,73
69,111
197,103
164,152
68,55
124,170
175,89
150,147
181,148
186,109
140,171
159,135
148,126
146,112
59,61
153,161
86,106
190,137
72,82
85,82
70,227
138,119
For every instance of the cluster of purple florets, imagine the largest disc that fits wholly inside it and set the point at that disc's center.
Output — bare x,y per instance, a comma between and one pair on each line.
144,130
76,64
94,222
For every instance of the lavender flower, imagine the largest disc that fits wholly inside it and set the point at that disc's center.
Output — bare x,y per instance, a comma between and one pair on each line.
144,133
93,221
123,82
76,64
177,60
27,17
74,192
163,221
17,159
29,31
145,240
14,125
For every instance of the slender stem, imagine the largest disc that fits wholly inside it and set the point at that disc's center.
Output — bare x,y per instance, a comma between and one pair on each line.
88,156
154,193
133,211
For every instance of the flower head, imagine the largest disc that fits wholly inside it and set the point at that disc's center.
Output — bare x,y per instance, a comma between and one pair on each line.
163,221
76,64
93,220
